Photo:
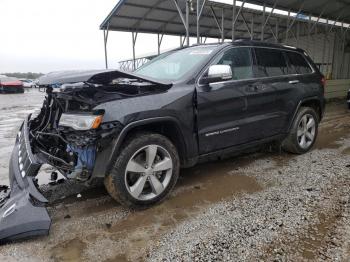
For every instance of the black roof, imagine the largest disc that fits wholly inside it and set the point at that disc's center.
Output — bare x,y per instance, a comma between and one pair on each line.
245,42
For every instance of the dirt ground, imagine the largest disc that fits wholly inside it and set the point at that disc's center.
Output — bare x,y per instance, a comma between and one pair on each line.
258,206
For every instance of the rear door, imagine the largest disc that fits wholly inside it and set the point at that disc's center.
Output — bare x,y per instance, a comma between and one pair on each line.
300,81
271,68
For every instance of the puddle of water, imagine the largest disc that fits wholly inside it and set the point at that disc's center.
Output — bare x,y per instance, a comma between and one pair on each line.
327,137
309,246
119,258
316,235
197,188
187,202
346,151
71,250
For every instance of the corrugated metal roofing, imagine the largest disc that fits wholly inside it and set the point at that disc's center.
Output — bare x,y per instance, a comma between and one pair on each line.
331,9
161,16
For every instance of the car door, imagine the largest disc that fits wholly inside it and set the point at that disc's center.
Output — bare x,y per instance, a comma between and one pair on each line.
228,111
271,68
299,81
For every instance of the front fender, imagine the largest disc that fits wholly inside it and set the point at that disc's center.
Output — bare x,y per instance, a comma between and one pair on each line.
115,148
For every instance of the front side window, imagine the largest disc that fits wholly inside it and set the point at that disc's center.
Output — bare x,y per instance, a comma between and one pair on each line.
270,62
298,63
240,61
175,65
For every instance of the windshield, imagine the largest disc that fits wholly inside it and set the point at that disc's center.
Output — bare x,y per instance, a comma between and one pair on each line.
174,65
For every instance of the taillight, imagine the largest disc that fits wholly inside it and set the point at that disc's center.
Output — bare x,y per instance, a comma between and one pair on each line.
323,81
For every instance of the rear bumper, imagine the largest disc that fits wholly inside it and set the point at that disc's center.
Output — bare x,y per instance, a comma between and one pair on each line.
23,212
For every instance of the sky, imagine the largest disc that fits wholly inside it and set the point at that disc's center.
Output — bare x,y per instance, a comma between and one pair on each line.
51,35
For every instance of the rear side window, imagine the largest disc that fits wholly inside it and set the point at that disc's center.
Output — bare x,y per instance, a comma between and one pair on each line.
240,61
270,62
298,63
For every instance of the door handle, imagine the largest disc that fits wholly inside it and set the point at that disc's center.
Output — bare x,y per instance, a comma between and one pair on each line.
256,87
293,82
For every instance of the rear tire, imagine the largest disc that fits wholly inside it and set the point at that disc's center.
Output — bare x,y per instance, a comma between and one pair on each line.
303,132
145,171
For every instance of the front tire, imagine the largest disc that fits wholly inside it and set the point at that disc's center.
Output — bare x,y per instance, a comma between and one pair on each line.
145,171
303,133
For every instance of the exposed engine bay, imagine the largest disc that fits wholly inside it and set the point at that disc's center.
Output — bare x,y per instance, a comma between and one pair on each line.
68,133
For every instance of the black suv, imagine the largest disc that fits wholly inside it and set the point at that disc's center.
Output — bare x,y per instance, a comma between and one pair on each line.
136,130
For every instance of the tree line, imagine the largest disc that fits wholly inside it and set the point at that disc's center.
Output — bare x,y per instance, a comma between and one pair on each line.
28,75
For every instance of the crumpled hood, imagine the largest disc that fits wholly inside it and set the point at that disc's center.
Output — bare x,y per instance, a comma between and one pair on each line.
91,76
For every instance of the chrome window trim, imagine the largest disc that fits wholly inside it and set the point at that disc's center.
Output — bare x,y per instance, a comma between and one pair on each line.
255,78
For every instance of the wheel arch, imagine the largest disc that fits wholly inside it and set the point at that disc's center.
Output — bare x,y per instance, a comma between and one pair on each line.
167,126
313,102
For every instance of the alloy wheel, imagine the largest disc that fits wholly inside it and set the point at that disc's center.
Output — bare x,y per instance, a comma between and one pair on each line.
148,172
306,131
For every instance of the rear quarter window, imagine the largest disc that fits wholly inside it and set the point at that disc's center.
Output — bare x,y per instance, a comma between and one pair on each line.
270,62
298,63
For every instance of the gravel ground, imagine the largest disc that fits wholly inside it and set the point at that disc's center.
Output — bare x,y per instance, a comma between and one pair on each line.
303,214
261,206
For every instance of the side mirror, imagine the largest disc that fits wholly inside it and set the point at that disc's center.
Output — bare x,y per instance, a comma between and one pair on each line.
217,73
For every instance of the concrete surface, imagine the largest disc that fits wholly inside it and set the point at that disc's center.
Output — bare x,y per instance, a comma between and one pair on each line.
259,206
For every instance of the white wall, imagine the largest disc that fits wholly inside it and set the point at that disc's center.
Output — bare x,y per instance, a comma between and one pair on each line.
325,51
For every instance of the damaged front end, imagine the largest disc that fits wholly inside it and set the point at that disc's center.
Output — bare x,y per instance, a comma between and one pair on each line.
23,212
69,134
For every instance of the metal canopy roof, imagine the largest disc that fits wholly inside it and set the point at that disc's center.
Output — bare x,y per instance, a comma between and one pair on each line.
329,9
162,16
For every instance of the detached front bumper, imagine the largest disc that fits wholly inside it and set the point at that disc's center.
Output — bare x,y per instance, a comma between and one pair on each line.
22,211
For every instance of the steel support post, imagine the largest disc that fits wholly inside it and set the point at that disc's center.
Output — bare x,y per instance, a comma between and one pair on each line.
308,34
158,45
252,28
298,33
246,24
134,38
319,17
324,47
334,66
199,14
160,40
233,20
198,17
272,10
105,47
277,29
105,40
342,50
263,23
287,27
222,25
238,13
272,32
185,20
183,41
188,23
329,47
290,25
